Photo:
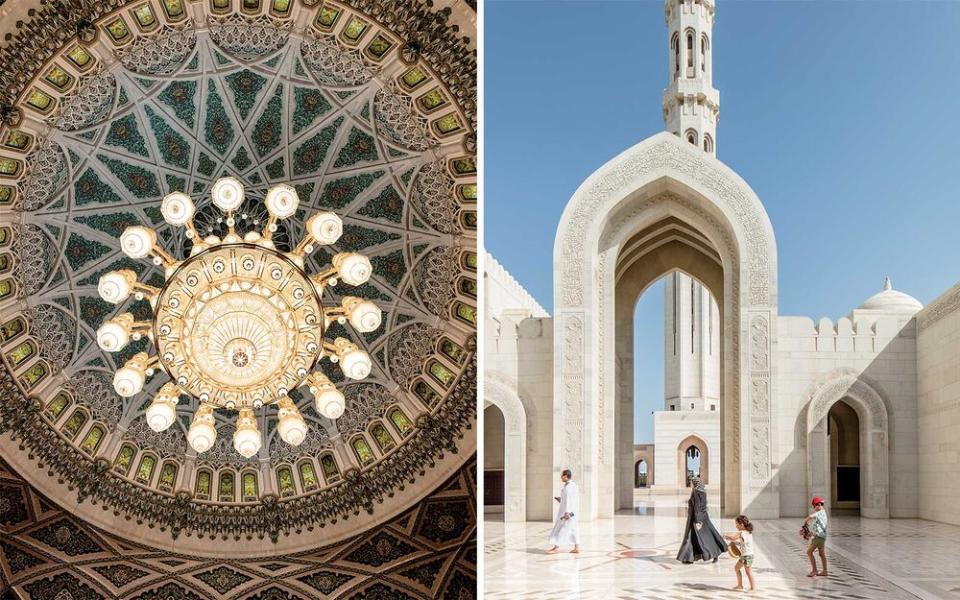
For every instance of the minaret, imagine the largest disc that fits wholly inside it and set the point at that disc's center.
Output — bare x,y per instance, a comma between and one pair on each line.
691,105
691,348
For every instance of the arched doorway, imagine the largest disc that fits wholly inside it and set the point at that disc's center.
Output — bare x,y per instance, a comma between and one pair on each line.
640,473
493,459
505,437
693,459
843,431
658,207
847,431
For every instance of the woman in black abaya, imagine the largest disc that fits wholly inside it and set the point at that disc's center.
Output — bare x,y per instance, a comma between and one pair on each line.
701,540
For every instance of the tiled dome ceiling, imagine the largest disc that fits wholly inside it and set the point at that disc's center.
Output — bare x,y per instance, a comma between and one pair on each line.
170,95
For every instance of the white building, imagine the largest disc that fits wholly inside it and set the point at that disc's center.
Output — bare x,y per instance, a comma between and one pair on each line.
784,407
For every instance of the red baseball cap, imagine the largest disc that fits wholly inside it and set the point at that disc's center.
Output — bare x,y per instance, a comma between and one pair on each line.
817,500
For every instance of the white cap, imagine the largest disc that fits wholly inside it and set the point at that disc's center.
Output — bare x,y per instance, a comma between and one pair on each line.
177,208
227,193
354,269
325,227
282,201
137,241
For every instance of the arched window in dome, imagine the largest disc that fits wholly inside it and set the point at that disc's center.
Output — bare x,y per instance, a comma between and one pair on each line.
6,288
331,472
308,476
168,476
145,470
34,375
124,459
201,489
691,136
226,492
285,482
75,423
249,486
12,329
400,421
21,353
707,143
363,451
59,404
382,437
6,262
92,440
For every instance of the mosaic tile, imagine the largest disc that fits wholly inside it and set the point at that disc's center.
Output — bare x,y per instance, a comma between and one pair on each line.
218,129
268,132
356,237
391,267
245,86
387,205
140,182
241,160
360,147
89,188
275,169
174,148
179,96
340,192
309,104
112,223
125,133
80,251
309,156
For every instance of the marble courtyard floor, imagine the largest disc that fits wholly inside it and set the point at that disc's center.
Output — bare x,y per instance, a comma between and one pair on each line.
633,556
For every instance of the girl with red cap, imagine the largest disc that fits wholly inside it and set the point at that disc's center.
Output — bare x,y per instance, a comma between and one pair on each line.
818,524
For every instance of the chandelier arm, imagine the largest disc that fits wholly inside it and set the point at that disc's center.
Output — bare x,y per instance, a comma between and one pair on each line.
149,292
163,255
269,227
304,247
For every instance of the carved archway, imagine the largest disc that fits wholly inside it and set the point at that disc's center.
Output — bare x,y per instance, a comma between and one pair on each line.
659,179
692,441
499,394
872,412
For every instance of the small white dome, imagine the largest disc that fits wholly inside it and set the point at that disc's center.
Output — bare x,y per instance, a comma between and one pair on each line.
891,300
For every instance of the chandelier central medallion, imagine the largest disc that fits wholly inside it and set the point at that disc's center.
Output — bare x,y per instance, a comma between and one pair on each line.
238,324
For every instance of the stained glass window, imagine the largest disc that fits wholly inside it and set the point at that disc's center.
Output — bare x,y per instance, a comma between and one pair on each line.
39,100
17,139
221,5
74,424
6,288
21,353
432,100
118,30
453,350
362,449
173,8
441,373
249,487
124,458
145,470
79,56
4,236
354,29
400,421
168,476
144,16
382,437
469,219
327,17
251,5
226,493
425,392
5,263
467,313
56,406
9,166
92,440
308,477
378,46
285,482
12,328
413,77
281,6
329,465
202,488
469,287
468,192
34,374
465,165
470,260
448,124
7,193
58,77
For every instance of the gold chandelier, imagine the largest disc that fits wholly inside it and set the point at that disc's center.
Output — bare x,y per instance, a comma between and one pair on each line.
238,324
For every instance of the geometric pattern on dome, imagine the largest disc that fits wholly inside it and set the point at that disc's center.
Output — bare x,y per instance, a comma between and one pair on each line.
180,103
90,563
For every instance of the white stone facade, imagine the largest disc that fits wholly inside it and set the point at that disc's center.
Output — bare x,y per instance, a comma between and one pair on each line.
888,373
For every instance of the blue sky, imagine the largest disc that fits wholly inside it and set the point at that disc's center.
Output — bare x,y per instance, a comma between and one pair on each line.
838,114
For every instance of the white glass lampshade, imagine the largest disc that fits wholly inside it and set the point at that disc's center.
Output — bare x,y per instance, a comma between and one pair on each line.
115,286
162,412
137,241
128,380
114,335
246,439
355,363
330,402
365,316
354,269
325,227
201,436
293,429
282,201
227,193
177,208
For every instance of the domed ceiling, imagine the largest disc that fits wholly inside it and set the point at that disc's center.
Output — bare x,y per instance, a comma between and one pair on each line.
367,109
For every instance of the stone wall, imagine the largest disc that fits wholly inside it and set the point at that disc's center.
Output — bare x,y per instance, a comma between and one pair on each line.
938,406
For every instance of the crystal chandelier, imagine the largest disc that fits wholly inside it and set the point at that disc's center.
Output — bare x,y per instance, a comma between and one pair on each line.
238,324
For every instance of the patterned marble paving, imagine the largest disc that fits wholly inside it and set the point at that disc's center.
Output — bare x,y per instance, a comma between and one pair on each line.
632,556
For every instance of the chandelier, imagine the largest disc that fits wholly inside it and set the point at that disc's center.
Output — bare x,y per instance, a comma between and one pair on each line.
238,324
